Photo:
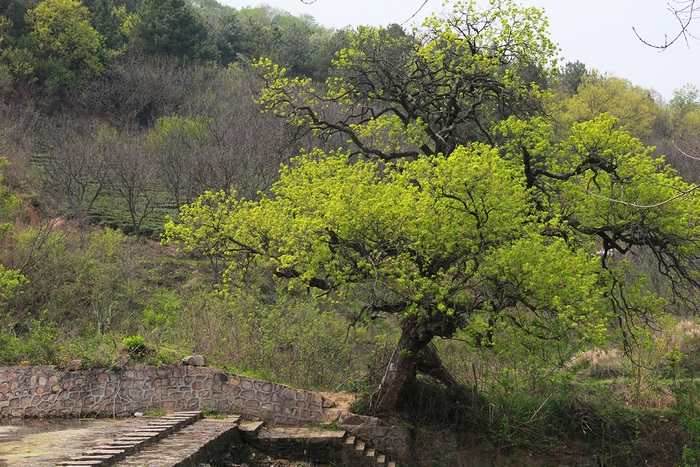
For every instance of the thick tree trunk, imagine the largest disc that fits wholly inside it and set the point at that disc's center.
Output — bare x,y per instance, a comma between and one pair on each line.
401,369
429,363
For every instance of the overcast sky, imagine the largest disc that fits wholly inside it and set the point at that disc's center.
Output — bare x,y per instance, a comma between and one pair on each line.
598,33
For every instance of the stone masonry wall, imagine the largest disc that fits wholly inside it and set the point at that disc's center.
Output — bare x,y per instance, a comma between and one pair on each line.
45,391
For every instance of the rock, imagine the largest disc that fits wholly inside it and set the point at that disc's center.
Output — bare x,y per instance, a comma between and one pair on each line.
194,360
351,419
120,361
348,418
75,365
328,404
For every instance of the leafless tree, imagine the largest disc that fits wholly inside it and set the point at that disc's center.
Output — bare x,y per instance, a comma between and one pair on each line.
75,174
132,177
242,148
138,90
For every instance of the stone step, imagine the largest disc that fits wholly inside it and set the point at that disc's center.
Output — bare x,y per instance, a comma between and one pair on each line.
350,442
194,444
250,428
128,443
358,452
93,460
81,463
306,435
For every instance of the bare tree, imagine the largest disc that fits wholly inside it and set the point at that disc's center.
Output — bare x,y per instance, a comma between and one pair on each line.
138,90
132,177
241,148
75,174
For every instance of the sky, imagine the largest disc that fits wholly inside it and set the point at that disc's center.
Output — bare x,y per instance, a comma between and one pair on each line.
598,33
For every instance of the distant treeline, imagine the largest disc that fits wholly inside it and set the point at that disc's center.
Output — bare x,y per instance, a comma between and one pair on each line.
64,43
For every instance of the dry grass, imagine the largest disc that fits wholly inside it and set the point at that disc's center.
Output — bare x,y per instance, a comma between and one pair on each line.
600,364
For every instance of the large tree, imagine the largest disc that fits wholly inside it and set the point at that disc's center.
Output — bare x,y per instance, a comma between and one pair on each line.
67,49
455,215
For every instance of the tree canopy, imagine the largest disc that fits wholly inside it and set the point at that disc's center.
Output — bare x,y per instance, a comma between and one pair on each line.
430,93
61,48
636,109
171,27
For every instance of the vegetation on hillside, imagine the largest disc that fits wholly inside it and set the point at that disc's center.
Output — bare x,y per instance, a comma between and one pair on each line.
443,221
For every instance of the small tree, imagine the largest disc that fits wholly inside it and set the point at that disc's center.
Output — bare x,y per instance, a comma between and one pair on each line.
131,175
76,174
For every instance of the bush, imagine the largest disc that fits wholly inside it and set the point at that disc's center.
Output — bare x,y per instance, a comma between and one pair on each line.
135,345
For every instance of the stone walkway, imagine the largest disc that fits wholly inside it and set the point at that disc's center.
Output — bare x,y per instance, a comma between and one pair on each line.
189,446
44,443
175,440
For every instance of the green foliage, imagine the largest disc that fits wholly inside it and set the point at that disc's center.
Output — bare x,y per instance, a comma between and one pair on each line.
170,27
135,345
685,99
112,19
39,346
636,109
406,231
448,59
571,77
156,412
67,48
11,280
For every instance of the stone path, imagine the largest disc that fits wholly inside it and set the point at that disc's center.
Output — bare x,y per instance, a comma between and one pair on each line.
315,444
134,441
189,446
182,439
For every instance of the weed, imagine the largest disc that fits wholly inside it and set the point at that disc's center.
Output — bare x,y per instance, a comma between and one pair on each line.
334,425
135,345
156,412
207,412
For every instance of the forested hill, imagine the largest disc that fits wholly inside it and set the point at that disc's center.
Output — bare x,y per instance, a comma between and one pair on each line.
64,44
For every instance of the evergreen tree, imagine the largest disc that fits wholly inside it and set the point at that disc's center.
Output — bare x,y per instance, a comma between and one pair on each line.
171,27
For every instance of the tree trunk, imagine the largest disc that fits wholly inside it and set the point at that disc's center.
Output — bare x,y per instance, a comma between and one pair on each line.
429,363
401,369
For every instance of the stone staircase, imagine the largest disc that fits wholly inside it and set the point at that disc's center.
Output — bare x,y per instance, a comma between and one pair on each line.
316,444
187,438
131,442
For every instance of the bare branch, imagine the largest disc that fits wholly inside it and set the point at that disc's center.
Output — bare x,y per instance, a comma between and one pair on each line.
684,15
627,203
414,14
695,157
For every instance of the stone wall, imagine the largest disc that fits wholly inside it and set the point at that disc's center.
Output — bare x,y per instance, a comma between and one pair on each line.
45,391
